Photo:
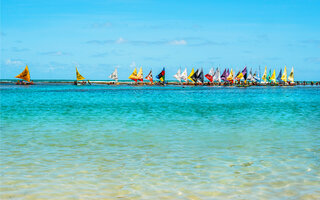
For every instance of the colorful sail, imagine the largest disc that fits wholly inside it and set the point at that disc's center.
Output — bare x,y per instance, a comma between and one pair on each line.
114,75
79,77
284,75
184,75
194,77
140,75
256,77
161,75
210,75
269,76
25,75
238,76
231,76
279,76
200,76
216,76
228,73
133,76
264,76
178,75
150,77
224,75
291,76
273,76
244,73
191,74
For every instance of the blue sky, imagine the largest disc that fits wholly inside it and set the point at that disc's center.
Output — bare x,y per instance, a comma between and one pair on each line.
97,36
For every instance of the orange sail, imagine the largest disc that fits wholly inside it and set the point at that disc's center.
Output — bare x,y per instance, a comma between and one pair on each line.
25,75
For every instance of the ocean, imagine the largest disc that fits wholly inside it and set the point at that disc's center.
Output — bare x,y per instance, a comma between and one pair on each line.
154,142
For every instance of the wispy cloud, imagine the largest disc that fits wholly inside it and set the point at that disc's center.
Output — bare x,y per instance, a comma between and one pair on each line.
178,42
191,41
14,62
102,25
55,53
120,40
133,64
312,42
315,60
18,49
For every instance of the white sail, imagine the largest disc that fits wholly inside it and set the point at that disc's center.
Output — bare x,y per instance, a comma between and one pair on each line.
184,75
216,76
178,75
256,77
250,76
114,75
211,72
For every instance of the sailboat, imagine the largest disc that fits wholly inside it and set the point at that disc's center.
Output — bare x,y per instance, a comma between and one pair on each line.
114,75
140,75
273,77
250,76
284,75
150,77
178,75
269,76
80,78
194,76
184,75
200,77
162,76
264,76
256,76
210,75
279,76
24,75
230,76
216,76
136,76
191,74
291,76
224,75
133,76
239,76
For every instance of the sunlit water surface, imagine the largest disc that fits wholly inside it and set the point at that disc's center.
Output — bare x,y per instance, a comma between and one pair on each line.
111,142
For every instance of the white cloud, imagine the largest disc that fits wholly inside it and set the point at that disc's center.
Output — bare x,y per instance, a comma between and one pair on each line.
133,64
55,53
13,62
178,42
120,40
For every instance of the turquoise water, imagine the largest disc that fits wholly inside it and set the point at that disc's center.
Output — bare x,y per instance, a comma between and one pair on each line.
111,142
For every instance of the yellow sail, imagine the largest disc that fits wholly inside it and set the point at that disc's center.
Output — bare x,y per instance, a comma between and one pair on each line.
273,76
25,75
231,75
192,72
140,74
133,76
264,77
79,77
240,76
284,75
291,76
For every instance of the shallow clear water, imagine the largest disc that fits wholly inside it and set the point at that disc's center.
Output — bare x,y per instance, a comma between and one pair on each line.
105,142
